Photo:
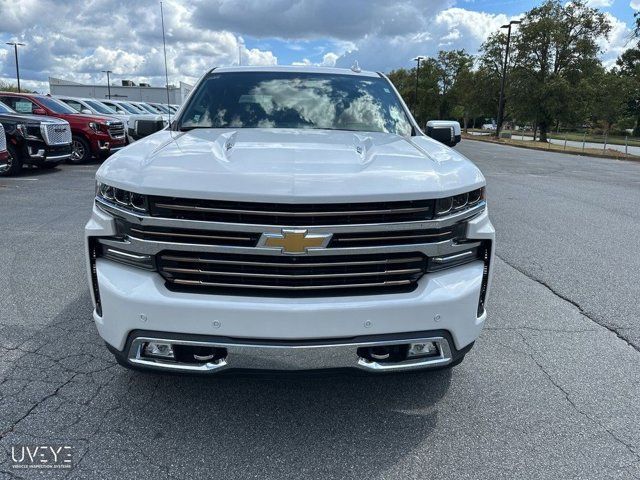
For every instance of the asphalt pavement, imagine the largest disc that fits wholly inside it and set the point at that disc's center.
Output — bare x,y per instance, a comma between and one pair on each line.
551,389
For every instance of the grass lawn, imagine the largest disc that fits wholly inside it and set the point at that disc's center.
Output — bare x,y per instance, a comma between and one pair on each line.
577,137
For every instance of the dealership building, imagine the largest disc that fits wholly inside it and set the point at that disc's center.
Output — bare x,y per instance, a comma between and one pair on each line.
126,91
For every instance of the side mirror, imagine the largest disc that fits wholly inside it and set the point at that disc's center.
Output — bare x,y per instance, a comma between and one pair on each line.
120,112
86,111
444,131
143,128
39,111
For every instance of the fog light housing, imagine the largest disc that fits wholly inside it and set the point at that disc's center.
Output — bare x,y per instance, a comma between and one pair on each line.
423,349
158,350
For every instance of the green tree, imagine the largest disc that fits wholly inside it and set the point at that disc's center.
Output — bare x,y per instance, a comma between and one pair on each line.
453,66
628,66
555,48
8,87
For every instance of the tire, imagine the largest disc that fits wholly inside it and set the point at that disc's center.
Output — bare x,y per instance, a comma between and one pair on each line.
13,164
80,151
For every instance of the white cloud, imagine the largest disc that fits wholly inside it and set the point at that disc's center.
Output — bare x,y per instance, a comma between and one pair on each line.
83,38
599,3
76,39
635,4
618,41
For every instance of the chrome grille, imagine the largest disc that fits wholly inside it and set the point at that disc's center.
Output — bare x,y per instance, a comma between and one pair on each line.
291,214
116,130
185,235
3,139
291,275
56,133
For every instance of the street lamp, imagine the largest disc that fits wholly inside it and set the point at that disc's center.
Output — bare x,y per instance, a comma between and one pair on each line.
504,77
415,96
15,49
108,83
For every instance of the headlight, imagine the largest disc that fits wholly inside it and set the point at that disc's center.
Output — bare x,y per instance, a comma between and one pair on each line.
135,202
94,126
460,202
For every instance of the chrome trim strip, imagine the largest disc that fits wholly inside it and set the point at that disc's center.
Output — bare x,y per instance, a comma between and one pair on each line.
128,255
451,257
392,237
247,355
200,283
192,271
189,235
153,247
58,157
295,265
147,220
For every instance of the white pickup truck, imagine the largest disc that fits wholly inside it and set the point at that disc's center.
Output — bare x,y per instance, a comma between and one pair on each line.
290,218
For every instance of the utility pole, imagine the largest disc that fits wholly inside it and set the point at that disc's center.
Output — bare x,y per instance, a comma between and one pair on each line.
108,83
504,77
415,95
15,49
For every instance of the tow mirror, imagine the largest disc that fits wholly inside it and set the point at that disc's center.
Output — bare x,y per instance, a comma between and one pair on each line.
444,131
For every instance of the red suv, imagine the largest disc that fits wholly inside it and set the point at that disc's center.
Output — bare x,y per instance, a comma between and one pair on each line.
93,135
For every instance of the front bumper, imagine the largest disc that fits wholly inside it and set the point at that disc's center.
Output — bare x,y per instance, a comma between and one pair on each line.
41,153
254,330
286,356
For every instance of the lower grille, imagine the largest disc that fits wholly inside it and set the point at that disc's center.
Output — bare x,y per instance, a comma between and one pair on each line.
291,275
116,130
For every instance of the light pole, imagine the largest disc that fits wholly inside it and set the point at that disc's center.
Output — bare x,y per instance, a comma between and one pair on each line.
504,77
15,49
108,83
415,95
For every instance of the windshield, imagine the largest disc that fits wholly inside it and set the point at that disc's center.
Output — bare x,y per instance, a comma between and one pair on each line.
148,108
129,108
99,107
295,100
136,108
55,106
5,109
161,108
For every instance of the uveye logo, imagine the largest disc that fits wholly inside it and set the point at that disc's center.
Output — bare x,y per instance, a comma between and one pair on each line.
41,456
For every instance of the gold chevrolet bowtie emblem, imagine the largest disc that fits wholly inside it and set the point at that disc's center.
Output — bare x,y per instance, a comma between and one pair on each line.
292,241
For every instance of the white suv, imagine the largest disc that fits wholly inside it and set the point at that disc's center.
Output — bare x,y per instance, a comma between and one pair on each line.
291,218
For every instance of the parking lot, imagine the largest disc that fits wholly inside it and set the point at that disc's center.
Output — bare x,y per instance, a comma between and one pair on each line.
551,389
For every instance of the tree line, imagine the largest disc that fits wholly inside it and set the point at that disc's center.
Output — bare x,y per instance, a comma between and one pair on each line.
555,78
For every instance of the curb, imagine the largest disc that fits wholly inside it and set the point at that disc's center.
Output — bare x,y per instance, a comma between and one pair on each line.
630,158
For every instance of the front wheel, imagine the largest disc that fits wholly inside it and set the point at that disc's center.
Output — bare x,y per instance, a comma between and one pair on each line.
13,164
80,151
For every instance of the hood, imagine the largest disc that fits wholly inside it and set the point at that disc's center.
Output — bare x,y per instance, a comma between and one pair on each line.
30,119
85,117
285,165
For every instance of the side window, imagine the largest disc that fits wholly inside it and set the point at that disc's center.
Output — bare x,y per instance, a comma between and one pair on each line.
23,105
77,106
10,101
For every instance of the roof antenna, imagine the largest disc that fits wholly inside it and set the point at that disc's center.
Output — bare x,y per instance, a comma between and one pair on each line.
166,69
355,67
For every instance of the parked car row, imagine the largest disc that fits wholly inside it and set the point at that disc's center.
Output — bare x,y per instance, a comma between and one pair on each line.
44,131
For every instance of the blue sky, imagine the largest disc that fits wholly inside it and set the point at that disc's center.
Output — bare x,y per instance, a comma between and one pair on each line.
76,39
